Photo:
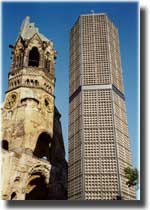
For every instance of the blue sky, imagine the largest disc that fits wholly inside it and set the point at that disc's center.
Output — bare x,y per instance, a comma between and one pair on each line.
55,21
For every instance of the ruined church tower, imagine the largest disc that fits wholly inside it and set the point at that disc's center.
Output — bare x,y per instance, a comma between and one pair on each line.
33,155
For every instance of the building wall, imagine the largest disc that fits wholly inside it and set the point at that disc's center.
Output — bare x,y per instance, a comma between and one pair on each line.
75,172
33,153
95,50
98,156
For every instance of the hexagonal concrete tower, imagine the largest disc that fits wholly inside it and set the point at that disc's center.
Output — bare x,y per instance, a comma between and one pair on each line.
32,143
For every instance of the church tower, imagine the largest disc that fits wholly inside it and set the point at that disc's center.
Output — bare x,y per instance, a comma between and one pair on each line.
32,143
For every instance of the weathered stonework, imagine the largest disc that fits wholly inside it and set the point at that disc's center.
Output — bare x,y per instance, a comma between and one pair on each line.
33,154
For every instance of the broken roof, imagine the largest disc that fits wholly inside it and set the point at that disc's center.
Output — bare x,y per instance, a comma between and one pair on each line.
28,30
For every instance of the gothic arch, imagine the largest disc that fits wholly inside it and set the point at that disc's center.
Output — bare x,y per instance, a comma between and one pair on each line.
37,188
43,146
34,57
37,183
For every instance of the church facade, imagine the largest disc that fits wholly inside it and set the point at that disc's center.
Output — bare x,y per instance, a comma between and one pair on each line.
33,154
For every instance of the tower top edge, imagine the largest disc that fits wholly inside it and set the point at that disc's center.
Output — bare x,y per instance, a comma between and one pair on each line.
106,15
93,13
28,29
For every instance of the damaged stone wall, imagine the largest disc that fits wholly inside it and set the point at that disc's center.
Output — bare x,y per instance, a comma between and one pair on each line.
23,174
33,153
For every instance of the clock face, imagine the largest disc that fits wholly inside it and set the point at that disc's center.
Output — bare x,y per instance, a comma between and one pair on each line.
48,102
11,100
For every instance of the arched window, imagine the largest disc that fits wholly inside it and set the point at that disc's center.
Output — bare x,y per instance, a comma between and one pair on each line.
43,146
27,82
34,57
40,189
4,144
32,83
36,83
47,65
17,61
21,59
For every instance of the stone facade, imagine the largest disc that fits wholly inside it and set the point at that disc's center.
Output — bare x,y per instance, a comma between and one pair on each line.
33,154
